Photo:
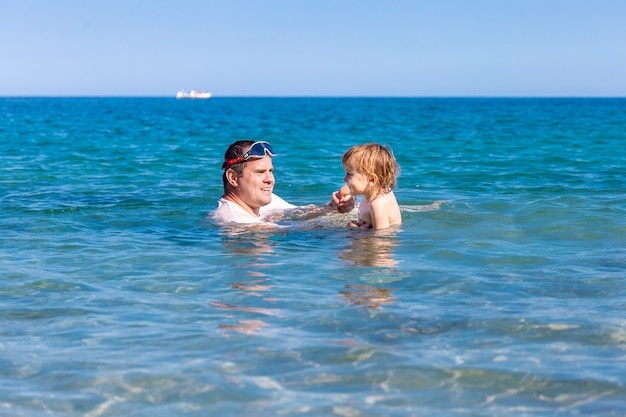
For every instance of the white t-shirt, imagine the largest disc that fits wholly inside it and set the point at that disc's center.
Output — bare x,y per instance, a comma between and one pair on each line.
227,211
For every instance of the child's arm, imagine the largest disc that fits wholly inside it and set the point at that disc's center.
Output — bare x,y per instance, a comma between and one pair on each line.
380,219
384,212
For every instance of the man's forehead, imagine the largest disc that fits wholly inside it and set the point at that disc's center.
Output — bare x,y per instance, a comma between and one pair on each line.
260,163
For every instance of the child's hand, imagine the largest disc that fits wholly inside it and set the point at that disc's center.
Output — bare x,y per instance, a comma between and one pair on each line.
359,224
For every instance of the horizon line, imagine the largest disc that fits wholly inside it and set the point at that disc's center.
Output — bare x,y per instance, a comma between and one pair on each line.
329,96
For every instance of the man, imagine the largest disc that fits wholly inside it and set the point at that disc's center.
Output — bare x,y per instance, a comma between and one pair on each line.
249,183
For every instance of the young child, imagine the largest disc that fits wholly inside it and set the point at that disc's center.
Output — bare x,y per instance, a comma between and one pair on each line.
371,171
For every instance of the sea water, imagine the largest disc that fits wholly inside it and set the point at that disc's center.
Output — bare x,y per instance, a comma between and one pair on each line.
119,297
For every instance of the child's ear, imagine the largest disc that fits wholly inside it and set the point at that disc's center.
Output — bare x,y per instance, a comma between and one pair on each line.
231,177
373,179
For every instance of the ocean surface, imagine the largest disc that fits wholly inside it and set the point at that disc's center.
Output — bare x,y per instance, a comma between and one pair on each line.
119,297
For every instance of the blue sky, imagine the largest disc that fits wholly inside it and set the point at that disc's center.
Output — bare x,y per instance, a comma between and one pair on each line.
313,47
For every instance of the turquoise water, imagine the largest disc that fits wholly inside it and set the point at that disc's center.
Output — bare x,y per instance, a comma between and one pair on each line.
119,298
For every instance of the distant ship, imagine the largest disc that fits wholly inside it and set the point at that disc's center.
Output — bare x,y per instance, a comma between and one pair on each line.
193,94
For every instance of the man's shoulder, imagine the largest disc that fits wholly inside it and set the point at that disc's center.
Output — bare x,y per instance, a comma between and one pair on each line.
228,211
278,203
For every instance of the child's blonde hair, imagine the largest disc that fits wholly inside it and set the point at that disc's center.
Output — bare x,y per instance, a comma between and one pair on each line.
374,159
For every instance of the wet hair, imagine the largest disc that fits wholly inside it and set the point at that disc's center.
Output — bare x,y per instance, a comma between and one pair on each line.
374,159
234,151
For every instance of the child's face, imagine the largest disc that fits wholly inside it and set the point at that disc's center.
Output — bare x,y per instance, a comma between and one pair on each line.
356,181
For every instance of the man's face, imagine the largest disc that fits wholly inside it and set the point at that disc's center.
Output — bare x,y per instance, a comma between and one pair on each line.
255,186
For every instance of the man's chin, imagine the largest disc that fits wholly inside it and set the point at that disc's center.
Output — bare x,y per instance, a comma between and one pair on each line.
265,200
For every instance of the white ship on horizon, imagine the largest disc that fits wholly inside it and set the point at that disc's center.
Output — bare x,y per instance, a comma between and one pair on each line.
193,94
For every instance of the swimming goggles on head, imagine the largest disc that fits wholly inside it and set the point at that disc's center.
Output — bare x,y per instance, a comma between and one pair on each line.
257,150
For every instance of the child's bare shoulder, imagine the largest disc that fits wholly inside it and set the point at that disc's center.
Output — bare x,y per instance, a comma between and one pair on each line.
385,201
387,210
